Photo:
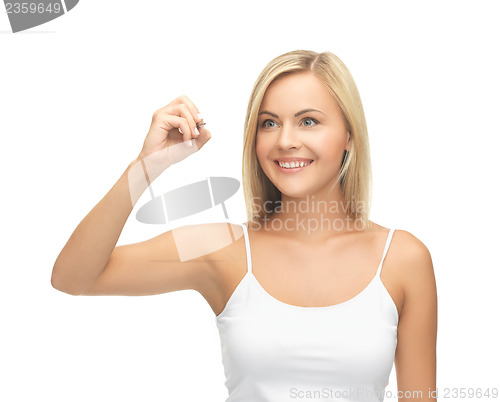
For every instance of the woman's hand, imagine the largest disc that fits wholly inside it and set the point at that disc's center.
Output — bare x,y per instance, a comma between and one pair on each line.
172,130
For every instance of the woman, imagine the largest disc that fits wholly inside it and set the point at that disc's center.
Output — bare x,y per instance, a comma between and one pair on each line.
302,304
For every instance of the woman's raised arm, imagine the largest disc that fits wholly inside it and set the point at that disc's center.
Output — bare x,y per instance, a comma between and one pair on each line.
90,254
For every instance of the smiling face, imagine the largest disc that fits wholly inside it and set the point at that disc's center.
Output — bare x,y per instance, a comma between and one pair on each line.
288,129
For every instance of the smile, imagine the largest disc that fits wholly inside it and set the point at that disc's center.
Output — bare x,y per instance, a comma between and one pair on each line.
292,167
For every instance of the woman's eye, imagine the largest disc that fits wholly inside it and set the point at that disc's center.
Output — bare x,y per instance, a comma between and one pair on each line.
310,119
265,121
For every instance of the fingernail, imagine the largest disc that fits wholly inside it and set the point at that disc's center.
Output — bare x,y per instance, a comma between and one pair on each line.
199,116
196,131
188,143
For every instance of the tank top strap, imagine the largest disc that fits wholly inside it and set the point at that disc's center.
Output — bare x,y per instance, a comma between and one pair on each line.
387,243
247,246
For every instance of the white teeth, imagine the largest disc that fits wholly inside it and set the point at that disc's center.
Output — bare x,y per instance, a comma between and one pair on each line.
290,165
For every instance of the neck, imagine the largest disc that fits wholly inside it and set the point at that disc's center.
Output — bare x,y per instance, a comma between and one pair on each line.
313,217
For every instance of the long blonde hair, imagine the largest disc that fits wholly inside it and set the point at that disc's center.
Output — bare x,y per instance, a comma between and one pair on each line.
355,175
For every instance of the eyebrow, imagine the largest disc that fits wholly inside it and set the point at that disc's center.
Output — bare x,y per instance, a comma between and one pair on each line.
296,114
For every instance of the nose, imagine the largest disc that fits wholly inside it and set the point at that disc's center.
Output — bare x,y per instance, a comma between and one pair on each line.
288,138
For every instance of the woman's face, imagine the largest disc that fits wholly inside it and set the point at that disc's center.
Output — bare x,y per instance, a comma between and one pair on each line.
285,132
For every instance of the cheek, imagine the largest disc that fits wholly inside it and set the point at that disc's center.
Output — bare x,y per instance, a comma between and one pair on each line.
261,148
328,150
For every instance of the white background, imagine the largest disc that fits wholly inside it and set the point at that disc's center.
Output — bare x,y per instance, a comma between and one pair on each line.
76,99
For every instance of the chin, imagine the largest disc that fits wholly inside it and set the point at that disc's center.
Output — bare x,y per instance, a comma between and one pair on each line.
295,191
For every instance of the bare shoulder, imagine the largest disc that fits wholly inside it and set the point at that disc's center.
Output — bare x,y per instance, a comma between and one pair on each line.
414,263
412,252
407,250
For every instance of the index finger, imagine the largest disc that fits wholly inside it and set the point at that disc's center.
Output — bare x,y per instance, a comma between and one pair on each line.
191,106
183,99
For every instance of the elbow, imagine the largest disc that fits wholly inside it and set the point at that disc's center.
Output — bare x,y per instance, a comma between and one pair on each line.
59,285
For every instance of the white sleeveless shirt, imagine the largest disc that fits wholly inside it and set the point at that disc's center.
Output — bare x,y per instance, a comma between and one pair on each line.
275,352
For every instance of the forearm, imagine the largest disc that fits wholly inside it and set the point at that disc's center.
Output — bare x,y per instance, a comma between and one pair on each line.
89,248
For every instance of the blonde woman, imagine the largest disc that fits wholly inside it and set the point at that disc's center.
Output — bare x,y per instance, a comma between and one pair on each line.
311,298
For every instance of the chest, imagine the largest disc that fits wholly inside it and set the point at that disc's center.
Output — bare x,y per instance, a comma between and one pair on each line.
312,276
322,274
309,275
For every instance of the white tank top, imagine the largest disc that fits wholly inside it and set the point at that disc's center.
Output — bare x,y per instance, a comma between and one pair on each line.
275,352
